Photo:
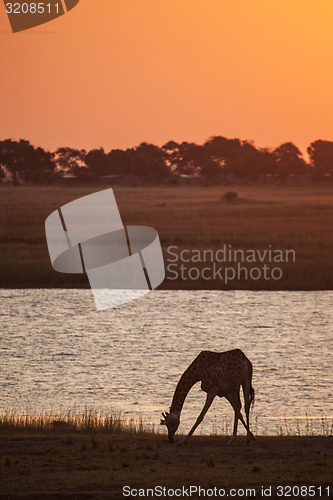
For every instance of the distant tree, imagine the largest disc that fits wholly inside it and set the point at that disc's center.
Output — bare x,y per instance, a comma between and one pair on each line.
145,166
120,162
2,173
141,166
97,162
203,162
171,151
24,162
223,151
209,167
239,158
151,151
14,156
41,168
170,147
289,160
251,162
265,162
321,157
226,156
149,161
184,158
218,156
70,160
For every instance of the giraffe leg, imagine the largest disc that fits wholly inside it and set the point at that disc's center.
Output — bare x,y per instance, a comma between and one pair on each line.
243,421
246,392
235,402
210,398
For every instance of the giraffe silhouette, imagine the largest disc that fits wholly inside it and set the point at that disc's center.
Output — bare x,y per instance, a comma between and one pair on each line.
221,374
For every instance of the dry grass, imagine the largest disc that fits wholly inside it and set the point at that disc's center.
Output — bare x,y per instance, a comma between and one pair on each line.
115,422
87,421
189,217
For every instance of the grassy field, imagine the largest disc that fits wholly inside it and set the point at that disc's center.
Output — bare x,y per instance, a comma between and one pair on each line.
61,462
296,218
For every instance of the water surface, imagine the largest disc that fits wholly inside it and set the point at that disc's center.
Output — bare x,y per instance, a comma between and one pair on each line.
58,353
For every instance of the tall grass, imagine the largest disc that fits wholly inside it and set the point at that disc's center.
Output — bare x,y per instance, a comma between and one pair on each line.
115,422
87,421
306,426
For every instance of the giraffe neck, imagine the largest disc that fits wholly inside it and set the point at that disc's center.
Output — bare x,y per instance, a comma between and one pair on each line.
186,382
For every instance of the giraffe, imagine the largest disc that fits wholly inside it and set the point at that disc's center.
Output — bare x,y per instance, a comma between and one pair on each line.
221,374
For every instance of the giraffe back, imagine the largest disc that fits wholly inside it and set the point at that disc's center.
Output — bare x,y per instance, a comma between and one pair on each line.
226,371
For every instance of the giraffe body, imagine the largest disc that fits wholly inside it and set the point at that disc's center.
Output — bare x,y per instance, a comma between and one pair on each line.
221,374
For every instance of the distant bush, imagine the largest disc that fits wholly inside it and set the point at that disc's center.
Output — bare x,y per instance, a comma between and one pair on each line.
230,196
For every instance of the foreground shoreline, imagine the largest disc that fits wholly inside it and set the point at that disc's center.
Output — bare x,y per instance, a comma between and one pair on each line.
63,463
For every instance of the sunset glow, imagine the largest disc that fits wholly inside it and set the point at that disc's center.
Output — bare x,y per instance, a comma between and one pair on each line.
114,74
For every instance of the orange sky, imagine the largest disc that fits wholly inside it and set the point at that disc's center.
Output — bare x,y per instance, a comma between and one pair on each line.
116,73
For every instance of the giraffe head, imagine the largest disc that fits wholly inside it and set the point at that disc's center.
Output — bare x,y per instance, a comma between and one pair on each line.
171,420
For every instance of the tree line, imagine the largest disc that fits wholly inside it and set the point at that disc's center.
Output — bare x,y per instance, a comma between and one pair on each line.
218,157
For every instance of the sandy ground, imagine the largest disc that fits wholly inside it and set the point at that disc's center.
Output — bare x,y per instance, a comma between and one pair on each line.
64,464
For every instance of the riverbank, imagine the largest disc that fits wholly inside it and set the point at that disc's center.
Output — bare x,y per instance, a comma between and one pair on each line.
63,463
267,221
